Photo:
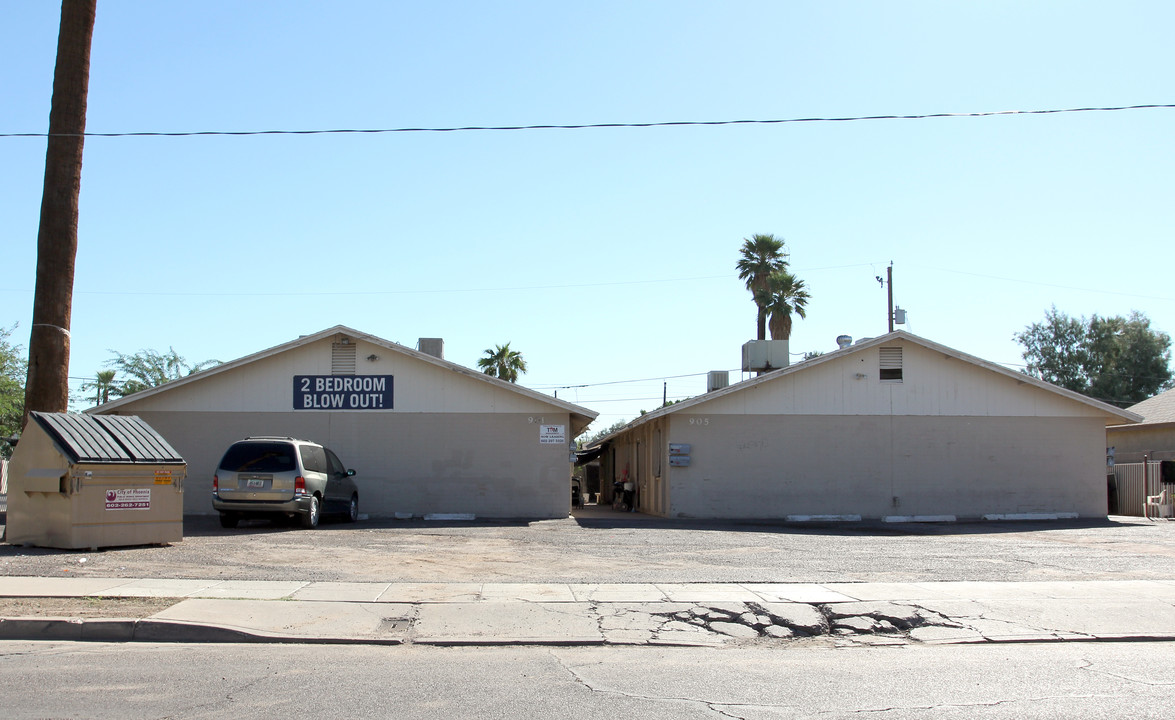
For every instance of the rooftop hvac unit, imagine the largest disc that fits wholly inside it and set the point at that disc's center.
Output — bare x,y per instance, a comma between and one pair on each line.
763,355
716,380
433,346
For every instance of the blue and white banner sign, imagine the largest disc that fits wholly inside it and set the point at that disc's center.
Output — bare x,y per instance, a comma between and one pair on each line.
342,392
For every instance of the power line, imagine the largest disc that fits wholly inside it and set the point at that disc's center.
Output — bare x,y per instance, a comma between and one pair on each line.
592,126
615,382
1043,284
426,291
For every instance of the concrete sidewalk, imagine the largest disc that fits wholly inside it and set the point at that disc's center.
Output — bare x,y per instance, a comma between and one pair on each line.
585,614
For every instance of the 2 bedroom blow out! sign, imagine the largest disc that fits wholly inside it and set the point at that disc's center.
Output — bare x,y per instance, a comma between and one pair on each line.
342,392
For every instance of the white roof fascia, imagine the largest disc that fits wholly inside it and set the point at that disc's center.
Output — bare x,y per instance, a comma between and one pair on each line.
1122,416
350,332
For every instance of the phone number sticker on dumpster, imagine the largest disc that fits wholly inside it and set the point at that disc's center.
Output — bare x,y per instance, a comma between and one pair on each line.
131,499
343,392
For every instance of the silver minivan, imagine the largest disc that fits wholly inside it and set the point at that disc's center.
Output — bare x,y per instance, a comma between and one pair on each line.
268,476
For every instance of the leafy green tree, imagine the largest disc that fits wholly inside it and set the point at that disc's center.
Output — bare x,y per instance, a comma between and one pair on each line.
605,431
1119,360
150,368
782,295
13,370
762,257
503,363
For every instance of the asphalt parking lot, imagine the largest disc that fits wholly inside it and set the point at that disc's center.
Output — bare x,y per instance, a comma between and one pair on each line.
602,546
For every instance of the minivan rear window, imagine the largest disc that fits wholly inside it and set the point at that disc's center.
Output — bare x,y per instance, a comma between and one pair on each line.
259,457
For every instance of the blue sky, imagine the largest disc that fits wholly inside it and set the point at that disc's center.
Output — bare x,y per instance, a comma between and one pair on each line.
603,255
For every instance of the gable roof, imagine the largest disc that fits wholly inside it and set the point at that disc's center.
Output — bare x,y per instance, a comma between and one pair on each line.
1115,416
581,416
1157,410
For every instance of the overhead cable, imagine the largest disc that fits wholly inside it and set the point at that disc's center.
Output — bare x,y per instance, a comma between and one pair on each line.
588,126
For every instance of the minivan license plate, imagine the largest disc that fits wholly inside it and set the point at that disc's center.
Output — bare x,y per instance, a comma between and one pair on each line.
255,483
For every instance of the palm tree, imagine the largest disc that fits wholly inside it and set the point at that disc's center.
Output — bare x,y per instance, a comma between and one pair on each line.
503,363
784,294
101,385
762,256
47,387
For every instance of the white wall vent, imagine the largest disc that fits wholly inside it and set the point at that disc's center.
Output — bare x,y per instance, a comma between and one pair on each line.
342,357
891,364
716,380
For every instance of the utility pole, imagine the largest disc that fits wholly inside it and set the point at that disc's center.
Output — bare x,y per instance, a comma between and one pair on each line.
47,385
889,287
887,283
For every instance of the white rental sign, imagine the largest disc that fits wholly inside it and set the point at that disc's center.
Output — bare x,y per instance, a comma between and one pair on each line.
552,434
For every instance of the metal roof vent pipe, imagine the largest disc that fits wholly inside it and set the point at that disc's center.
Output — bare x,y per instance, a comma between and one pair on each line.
432,346
843,341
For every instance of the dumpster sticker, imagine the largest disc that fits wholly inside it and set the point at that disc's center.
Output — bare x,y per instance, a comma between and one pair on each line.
551,434
131,499
162,477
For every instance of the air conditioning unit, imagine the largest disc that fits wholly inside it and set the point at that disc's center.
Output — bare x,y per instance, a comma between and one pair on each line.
716,380
764,355
432,346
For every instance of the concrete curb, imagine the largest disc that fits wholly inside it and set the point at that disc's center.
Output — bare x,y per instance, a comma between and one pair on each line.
119,630
159,631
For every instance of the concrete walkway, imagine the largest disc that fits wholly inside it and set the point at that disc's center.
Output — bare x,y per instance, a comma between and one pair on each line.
571,614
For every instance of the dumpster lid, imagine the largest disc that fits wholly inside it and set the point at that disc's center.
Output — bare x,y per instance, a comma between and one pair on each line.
106,438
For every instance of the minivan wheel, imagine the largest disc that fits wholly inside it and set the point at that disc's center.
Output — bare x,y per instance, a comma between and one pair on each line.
228,520
353,510
310,518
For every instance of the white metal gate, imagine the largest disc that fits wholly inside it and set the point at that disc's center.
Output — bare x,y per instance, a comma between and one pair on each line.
1131,493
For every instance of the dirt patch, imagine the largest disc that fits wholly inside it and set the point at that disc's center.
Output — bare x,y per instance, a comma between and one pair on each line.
85,607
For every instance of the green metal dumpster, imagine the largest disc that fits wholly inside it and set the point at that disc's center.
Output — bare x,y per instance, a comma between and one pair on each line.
91,481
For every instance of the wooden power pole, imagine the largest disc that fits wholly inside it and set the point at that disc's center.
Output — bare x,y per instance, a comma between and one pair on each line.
47,387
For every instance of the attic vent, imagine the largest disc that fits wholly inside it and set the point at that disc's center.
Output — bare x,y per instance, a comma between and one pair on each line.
342,358
891,364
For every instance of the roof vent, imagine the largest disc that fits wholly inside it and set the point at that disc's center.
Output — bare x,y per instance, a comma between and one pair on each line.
342,358
843,341
432,346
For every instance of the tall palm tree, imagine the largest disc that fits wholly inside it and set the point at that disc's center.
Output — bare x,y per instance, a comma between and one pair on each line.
47,387
784,294
503,363
101,385
762,256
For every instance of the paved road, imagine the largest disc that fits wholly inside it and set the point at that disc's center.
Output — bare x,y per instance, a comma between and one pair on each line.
606,547
197,681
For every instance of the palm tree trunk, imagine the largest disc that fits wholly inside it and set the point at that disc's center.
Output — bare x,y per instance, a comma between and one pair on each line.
47,388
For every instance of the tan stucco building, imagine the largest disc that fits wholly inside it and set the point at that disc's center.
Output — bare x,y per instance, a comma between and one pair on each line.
896,427
425,435
1153,437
